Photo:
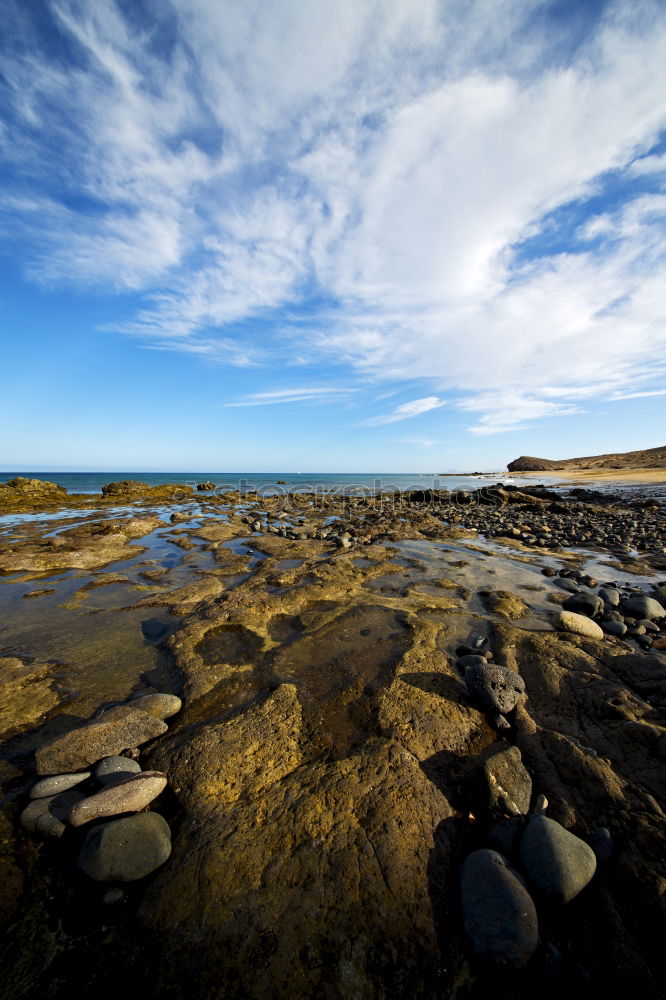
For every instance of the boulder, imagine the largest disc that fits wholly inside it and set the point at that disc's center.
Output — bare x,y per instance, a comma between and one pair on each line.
124,488
499,786
557,862
499,915
494,688
126,849
568,621
584,603
641,606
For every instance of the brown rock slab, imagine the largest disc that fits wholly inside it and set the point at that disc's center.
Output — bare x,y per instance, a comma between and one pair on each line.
321,868
112,732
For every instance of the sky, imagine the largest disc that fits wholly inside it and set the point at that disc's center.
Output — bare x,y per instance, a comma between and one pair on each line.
358,236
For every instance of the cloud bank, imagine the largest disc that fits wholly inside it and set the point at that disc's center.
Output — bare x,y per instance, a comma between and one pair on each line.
471,195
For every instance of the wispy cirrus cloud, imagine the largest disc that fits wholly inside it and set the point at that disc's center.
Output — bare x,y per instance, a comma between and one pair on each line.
472,201
406,410
297,395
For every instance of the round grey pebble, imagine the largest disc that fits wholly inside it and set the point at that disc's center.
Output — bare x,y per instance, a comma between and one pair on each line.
126,849
47,815
113,769
47,787
499,914
556,861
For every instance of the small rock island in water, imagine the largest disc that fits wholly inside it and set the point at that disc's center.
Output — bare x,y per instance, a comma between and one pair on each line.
408,744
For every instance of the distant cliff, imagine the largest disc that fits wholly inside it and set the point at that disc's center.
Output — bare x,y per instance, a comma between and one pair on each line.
650,458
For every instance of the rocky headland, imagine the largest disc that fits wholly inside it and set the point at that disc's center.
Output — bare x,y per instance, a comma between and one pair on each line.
648,458
366,747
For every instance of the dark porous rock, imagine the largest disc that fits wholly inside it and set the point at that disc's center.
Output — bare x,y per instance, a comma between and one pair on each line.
124,487
556,861
499,914
111,732
584,604
205,487
549,571
126,849
500,786
494,688
641,606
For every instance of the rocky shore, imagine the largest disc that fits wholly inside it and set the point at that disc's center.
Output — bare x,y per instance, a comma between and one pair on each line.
360,747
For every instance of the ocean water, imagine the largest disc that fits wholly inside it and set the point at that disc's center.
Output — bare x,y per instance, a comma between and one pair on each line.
92,482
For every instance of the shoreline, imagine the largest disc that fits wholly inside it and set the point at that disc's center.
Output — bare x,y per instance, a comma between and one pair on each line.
321,654
636,477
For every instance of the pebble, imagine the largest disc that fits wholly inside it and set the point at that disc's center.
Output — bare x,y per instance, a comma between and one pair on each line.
113,769
112,732
568,621
501,785
48,787
126,849
641,606
47,815
555,860
471,660
566,584
584,604
614,628
129,795
496,688
610,595
659,643
499,914
160,706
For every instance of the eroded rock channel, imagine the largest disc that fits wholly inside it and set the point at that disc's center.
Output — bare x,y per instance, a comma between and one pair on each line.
352,743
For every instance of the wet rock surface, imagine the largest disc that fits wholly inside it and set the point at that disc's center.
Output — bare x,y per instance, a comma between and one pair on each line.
318,771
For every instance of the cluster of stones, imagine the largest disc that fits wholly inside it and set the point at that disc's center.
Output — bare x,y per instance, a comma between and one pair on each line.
90,774
620,610
639,527
299,530
530,860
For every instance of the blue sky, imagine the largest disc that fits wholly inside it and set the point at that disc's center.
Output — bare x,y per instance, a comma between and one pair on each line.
351,236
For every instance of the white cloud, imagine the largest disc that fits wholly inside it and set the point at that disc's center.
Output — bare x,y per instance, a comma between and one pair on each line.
388,158
406,410
297,395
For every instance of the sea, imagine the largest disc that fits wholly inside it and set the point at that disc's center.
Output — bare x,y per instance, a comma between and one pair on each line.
92,482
